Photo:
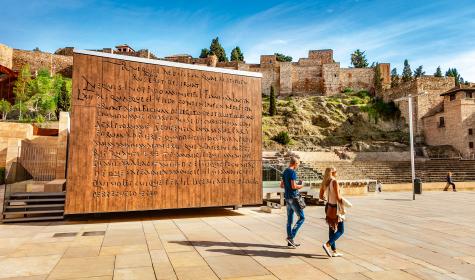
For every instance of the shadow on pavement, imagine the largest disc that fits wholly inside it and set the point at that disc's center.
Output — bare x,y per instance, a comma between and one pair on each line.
240,249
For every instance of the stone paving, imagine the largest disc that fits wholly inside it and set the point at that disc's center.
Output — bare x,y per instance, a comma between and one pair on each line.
388,236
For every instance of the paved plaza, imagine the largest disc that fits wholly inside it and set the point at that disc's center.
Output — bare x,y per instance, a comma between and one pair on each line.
388,236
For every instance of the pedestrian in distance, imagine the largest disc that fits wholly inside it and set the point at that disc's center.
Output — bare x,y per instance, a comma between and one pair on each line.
450,182
293,201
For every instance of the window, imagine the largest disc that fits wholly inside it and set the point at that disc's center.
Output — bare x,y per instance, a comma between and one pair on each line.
470,145
469,95
452,97
470,131
441,122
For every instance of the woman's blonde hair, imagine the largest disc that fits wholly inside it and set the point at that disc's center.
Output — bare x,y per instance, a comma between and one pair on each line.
327,176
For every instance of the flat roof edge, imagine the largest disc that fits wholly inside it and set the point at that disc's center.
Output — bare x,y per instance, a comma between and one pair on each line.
170,63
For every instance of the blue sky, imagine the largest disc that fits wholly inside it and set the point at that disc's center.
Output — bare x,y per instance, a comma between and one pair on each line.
429,33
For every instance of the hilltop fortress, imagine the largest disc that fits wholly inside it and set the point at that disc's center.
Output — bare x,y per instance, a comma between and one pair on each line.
316,74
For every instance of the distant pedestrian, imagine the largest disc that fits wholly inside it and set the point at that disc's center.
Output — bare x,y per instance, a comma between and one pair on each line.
334,216
450,182
291,195
379,186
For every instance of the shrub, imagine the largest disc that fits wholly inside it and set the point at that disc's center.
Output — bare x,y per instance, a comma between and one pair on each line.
282,138
380,109
356,100
363,94
347,90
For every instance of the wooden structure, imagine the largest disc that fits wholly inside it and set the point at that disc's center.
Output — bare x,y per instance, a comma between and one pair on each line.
7,82
150,134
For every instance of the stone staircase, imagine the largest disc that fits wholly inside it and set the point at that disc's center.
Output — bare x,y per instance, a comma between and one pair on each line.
33,206
392,172
34,201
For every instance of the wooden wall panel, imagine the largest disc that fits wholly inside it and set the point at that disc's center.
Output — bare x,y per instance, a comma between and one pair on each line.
151,135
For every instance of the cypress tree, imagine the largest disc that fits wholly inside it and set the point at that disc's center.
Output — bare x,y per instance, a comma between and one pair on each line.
216,49
204,53
438,72
237,55
273,102
406,72
358,59
418,72
394,78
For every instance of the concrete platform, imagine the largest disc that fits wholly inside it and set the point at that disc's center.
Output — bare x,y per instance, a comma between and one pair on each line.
388,236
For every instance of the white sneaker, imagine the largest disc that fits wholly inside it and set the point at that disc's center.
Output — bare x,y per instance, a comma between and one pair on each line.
337,254
326,249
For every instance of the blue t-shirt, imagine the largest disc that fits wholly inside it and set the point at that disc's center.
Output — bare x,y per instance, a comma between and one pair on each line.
288,175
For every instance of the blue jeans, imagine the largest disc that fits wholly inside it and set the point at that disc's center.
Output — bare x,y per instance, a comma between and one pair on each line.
293,207
333,236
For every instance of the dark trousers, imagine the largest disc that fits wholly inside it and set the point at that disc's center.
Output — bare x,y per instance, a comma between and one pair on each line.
449,184
334,235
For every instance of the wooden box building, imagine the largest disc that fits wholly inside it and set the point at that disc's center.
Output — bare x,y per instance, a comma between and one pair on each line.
150,134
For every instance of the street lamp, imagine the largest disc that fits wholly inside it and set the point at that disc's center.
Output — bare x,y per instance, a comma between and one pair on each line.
411,138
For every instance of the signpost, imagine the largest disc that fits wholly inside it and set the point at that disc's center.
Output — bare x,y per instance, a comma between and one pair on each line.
411,139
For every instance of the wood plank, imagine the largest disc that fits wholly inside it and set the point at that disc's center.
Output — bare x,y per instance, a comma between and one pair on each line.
147,136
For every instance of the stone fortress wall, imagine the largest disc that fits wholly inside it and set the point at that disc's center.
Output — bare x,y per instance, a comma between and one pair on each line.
37,60
6,56
316,74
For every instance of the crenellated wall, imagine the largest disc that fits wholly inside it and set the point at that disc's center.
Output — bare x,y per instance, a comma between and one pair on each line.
37,60
357,79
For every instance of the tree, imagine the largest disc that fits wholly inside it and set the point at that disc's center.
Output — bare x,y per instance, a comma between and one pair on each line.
272,102
36,49
5,108
237,55
452,72
394,78
283,58
418,72
63,99
204,53
406,72
42,91
438,72
216,49
20,89
358,59
378,80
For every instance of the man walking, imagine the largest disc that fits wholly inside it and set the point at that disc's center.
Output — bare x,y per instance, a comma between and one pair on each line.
288,182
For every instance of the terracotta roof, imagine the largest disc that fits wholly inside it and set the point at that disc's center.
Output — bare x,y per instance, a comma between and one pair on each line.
457,89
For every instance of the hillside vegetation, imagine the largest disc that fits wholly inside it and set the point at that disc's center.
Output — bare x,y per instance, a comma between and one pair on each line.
355,120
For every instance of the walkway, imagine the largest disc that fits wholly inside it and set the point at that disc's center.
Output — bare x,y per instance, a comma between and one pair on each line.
388,236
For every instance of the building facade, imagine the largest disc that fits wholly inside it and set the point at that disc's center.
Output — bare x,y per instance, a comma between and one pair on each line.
427,92
452,122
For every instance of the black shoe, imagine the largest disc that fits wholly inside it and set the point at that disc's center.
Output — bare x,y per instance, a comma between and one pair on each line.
455,190
291,243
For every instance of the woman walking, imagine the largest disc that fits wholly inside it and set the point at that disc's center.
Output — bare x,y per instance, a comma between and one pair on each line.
450,182
334,218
